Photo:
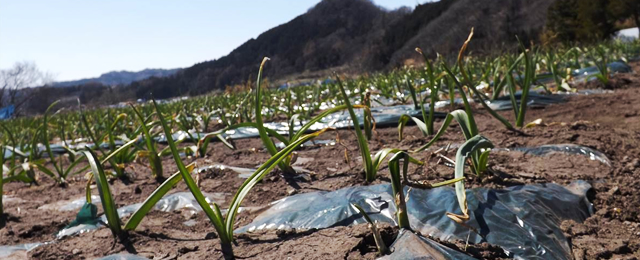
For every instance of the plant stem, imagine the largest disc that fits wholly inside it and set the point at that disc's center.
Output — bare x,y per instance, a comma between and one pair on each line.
396,186
362,141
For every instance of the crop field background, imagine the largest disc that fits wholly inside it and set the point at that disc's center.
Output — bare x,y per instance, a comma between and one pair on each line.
527,153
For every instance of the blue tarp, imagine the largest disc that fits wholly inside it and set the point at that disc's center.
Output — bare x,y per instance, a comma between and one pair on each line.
6,112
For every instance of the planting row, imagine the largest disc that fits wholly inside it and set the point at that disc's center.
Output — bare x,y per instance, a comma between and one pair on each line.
122,135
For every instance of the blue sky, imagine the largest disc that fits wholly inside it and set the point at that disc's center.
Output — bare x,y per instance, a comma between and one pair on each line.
75,39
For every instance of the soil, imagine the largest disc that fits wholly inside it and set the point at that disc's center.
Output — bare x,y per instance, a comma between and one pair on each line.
609,123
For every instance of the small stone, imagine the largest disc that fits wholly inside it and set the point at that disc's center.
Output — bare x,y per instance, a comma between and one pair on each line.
285,232
186,214
302,177
190,223
292,192
76,251
613,191
631,166
602,212
184,250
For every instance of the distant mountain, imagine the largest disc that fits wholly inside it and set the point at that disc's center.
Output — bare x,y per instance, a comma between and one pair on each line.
358,36
123,77
347,36
332,34
443,26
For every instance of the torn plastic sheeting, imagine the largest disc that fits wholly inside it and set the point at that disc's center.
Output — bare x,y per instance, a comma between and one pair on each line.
312,143
245,173
316,210
57,149
616,66
583,73
8,152
168,203
589,92
523,220
8,198
8,250
534,99
586,74
384,116
69,205
179,136
544,150
409,245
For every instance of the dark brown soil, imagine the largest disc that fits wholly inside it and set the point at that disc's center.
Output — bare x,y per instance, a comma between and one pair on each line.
609,123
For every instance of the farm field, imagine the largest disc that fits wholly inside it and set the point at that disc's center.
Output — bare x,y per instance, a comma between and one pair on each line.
241,149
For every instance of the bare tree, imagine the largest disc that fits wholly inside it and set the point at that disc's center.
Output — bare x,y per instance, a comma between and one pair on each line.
16,81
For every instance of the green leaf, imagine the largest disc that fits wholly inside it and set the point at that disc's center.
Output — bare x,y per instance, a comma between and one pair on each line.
463,120
45,140
472,127
466,150
262,171
362,141
382,248
151,201
483,161
119,150
216,219
154,160
266,141
110,209
269,131
258,113
73,165
404,119
396,186
319,117
384,153
490,110
447,182
45,170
